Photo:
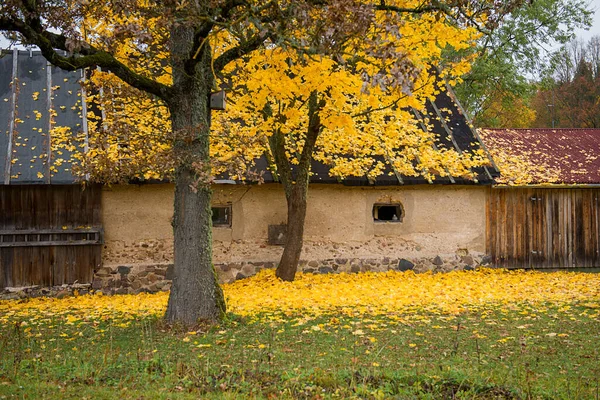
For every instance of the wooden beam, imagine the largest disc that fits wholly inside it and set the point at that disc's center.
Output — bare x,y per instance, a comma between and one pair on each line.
46,231
13,115
52,243
50,119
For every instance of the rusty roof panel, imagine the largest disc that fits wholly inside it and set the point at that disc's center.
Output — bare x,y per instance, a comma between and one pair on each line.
548,156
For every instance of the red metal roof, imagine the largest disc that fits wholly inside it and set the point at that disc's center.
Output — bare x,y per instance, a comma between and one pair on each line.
545,156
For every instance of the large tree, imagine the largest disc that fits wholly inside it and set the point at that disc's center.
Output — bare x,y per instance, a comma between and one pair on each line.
202,38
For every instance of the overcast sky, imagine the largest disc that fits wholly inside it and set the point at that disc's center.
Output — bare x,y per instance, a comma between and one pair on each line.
595,29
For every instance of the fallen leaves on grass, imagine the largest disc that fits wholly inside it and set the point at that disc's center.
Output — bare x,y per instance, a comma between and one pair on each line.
393,294
397,293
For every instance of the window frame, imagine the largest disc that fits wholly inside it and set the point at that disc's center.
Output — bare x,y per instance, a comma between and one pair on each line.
228,215
399,210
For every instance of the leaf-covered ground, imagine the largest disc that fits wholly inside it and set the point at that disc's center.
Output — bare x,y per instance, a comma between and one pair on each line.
477,334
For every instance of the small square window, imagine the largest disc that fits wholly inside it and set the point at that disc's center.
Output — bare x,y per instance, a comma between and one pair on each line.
221,216
388,212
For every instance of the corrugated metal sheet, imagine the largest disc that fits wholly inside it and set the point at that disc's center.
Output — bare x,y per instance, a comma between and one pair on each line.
561,156
35,98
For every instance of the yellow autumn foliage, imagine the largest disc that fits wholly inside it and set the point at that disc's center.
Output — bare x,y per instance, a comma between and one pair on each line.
364,130
367,123
392,292
395,295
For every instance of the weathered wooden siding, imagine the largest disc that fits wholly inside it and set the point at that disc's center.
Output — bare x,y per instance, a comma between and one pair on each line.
543,228
49,234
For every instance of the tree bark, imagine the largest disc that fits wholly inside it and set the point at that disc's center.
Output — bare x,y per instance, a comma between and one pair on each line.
296,205
195,294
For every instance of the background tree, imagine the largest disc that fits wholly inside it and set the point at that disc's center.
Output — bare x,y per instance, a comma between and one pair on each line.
296,110
202,38
569,96
511,54
506,109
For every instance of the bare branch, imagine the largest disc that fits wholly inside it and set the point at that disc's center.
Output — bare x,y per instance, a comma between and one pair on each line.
412,10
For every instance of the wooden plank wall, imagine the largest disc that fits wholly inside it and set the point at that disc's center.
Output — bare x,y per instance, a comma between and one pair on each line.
543,228
46,207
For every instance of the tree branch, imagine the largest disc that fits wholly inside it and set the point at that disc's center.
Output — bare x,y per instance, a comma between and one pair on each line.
277,146
435,6
382,6
238,51
312,134
86,57
204,30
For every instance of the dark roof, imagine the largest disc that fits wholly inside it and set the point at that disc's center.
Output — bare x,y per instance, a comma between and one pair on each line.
41,87
446,118
25,117
546,156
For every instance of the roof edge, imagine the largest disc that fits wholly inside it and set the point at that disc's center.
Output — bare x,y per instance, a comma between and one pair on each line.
550,186
540,129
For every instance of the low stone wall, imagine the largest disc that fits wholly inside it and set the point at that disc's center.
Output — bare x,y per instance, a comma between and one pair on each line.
155,277
233,271
15,293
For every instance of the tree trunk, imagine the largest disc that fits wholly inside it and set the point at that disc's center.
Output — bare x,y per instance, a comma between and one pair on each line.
195,293
296,204
296,192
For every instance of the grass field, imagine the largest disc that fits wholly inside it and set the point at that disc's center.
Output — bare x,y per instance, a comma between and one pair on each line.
484,334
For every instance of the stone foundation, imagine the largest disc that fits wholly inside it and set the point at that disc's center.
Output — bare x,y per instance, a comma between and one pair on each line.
233,271
16,293
156,277
136,278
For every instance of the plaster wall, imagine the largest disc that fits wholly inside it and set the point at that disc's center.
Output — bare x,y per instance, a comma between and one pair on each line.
438,220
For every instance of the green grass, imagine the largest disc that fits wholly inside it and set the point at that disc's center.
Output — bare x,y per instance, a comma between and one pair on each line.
509,352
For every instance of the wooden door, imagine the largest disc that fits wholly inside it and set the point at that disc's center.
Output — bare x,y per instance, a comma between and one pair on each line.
544,228
49,234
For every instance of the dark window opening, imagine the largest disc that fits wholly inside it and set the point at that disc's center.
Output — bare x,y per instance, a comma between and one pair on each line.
221,216
387,212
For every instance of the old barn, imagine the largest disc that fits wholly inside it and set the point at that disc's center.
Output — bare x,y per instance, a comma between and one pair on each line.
56,230
544,212
355,224
541,213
